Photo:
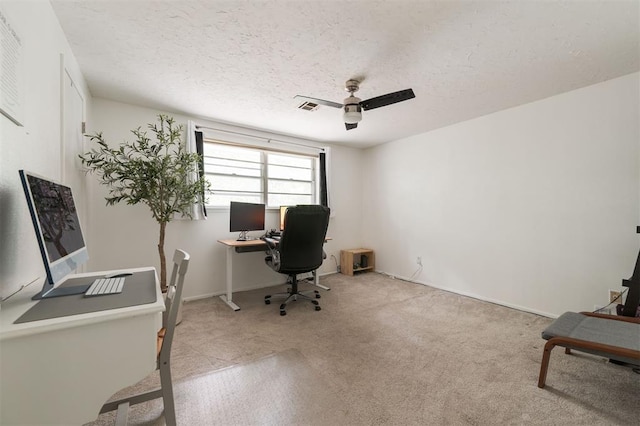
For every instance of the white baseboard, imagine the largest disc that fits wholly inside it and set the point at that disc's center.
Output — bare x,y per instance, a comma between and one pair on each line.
473,296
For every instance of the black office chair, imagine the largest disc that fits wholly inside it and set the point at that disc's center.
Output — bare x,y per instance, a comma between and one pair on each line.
165,338
299,250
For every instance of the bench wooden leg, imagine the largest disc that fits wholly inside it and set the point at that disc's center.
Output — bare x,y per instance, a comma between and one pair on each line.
545,364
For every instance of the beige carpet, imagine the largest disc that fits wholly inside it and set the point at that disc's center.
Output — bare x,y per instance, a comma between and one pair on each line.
277,389
381,352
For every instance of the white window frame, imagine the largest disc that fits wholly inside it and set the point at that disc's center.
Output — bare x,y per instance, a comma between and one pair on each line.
264,153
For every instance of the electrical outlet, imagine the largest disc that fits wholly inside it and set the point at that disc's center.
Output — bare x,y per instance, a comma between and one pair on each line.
614,296
419,260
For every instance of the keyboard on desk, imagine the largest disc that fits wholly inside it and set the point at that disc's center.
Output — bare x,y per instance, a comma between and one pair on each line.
102,286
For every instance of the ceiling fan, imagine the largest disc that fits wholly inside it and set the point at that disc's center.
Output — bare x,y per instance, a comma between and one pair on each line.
353,106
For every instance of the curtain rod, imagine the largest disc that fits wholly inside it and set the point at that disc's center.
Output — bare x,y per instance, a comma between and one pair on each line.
269,140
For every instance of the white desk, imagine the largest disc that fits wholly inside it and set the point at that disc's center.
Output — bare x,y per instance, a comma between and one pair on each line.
46,365
246,247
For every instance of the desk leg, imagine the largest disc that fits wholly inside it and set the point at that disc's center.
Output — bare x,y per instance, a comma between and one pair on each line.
226,298
316,281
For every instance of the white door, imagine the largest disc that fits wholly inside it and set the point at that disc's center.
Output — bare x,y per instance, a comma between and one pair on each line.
72,146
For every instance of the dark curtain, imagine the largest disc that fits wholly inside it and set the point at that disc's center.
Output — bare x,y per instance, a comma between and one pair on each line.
323,180
200,151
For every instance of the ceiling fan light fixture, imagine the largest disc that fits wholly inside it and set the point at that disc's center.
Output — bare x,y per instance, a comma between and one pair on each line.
353,106
352,117
352,111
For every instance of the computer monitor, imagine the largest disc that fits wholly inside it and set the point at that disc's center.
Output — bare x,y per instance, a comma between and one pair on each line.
245,217
58,232
283,213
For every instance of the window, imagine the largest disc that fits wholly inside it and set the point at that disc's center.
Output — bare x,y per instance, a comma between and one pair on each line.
254,175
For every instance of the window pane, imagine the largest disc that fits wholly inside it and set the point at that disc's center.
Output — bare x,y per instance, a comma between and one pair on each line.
225,199
287,160
231,152
232,163
235,183
289,187
285,172
276,200
233,171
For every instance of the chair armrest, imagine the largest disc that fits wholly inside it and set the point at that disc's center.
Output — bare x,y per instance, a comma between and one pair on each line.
271,242
274,254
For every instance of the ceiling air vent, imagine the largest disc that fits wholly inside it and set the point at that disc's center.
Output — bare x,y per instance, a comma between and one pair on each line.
308,106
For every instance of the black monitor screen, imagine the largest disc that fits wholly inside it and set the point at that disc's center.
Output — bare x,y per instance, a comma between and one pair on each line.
57,217
246,217
55,221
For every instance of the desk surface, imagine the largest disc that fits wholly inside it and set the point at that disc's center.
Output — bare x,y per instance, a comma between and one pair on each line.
134,292
16,306
249,243
48,367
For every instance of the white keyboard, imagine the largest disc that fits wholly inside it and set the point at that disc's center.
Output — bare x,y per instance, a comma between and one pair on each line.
103,286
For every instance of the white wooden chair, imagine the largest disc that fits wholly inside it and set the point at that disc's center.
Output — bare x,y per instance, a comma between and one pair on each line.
165,338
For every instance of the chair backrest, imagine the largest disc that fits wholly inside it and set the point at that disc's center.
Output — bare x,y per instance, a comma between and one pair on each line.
173,299
300,247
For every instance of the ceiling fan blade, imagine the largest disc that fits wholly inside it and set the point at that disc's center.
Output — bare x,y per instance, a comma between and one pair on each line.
319,101
388,99
350,126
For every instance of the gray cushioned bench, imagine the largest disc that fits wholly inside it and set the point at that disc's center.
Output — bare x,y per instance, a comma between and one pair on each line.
610,336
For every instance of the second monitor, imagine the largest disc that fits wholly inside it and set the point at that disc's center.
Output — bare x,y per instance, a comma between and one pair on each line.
283,213
245,217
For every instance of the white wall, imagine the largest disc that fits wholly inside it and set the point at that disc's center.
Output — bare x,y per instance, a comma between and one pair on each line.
126,236
533,207
37,146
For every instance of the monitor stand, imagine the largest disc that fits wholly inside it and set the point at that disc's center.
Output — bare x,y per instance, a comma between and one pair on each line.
243,236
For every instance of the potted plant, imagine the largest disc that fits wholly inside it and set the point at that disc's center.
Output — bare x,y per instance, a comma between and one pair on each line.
159,173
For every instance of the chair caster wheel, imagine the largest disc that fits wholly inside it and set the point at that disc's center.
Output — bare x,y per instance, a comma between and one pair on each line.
267,302
315,302
318,296
318,308
283,313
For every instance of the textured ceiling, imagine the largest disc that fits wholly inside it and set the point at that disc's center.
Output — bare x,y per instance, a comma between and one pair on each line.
243,62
